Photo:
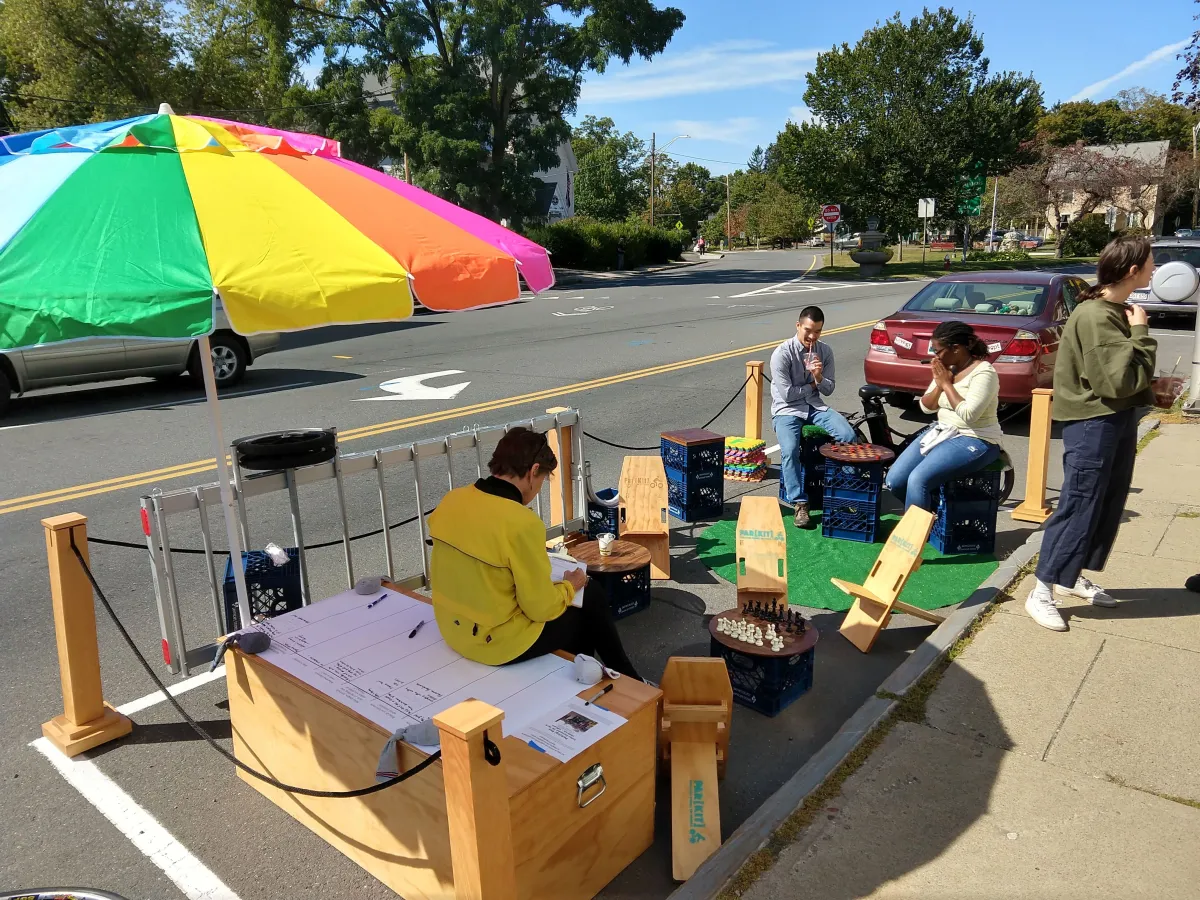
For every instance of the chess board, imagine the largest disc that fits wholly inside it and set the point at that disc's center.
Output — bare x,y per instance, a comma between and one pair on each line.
857,453
794,643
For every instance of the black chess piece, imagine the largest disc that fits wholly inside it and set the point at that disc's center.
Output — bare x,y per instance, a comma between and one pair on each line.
800,623
774,605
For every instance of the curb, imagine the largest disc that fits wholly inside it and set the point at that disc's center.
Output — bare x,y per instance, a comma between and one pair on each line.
577,277
753,834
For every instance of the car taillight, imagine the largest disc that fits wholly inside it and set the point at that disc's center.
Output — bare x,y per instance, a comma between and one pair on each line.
1024,347
879,339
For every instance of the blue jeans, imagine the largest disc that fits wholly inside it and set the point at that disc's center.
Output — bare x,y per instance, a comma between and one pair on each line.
914,478
788,430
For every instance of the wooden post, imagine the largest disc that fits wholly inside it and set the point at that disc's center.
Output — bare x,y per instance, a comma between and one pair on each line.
1034,507
481,848
562,485
87,721
754,400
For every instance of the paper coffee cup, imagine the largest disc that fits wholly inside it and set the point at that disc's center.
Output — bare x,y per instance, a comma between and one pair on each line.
605,541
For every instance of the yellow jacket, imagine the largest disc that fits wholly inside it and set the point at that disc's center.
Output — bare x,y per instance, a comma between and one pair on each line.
490,575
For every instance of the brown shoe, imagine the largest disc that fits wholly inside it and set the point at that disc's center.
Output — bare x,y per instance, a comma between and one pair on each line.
801,518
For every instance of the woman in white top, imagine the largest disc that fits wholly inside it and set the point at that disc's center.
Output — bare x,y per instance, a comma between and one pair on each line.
964,392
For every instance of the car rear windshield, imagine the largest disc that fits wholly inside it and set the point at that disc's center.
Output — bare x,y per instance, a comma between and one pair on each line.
1163,255
980,298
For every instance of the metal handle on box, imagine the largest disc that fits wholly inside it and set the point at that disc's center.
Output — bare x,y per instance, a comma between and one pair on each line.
587,780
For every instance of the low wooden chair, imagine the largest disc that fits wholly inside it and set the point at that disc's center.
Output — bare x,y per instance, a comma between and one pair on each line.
642,511
694,740
875,600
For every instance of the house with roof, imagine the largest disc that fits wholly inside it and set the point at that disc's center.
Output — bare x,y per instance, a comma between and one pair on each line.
1119,181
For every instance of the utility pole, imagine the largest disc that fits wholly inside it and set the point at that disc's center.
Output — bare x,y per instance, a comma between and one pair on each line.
652,136
992,233
407,180
728,218
1195,191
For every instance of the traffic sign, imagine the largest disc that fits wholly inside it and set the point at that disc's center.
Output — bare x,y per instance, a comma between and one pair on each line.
926,207
831,213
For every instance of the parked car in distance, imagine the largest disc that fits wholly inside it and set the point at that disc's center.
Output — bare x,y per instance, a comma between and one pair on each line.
1184,232
1175,285
110,359
1019,315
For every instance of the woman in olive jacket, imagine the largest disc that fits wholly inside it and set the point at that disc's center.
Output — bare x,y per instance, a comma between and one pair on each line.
1103,374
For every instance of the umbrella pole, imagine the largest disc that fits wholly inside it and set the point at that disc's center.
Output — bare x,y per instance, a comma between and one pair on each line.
231,509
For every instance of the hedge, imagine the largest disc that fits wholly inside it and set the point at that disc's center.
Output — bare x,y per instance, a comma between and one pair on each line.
582,243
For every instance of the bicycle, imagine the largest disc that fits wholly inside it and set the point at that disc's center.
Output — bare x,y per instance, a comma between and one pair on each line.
879,431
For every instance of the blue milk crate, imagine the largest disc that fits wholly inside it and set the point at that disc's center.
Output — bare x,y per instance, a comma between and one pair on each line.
766,684
694,458
965,526
272,590
601,519
690,501
814,487
984,485
850,520
853,481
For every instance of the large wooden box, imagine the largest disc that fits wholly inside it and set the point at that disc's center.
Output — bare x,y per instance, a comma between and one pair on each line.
401,835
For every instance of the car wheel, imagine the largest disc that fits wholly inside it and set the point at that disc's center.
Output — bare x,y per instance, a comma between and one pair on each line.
5,392
229,361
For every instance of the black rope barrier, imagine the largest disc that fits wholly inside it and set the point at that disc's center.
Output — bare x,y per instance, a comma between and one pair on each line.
212,742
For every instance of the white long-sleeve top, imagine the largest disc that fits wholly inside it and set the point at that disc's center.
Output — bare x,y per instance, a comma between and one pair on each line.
975,416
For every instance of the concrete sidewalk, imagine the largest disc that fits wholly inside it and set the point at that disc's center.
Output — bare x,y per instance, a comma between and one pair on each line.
1039,765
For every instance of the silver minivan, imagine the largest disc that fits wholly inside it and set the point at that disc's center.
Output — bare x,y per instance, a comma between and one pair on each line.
108,359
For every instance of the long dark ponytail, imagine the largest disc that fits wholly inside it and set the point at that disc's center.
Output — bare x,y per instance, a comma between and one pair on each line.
1126,252
960,334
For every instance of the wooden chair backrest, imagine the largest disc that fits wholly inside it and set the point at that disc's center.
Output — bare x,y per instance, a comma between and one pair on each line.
643,491
901,555
761,547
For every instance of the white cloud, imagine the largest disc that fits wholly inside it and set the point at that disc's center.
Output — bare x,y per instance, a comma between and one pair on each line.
732,65
800,114
1148,60
728,131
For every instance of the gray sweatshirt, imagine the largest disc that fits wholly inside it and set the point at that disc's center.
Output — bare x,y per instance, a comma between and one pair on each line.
793,391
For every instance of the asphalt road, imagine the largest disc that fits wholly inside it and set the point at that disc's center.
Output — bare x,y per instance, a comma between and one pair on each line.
637,356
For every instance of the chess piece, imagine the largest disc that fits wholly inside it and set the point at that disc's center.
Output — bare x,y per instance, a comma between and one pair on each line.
800,624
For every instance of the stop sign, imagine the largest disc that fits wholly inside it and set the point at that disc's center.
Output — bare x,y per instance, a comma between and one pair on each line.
831,213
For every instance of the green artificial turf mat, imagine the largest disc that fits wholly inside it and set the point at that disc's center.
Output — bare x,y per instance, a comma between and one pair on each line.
812,560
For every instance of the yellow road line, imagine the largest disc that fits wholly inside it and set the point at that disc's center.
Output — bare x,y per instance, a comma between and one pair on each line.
32,501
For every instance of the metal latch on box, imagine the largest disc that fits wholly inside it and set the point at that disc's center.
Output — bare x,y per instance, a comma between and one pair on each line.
590,777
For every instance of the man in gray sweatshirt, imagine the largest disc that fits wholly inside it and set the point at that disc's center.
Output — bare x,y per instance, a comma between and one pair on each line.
802,376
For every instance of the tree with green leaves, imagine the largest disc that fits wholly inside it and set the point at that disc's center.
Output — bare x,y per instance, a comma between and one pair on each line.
483,89
610,184
758,161
912,110
1133,115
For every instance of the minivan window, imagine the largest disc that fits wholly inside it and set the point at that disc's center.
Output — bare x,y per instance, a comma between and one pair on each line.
1163,255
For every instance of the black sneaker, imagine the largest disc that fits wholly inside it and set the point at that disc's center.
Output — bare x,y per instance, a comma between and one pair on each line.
801,517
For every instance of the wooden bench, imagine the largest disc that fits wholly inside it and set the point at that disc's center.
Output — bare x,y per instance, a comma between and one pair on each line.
642,512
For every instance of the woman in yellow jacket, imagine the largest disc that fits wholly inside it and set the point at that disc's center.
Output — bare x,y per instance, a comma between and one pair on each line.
492,595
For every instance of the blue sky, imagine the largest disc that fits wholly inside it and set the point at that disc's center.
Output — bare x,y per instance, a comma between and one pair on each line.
734,74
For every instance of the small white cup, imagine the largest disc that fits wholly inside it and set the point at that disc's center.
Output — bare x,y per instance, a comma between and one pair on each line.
605,541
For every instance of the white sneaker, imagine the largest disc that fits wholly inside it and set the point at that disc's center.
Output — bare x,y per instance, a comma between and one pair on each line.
1092,593
1040,606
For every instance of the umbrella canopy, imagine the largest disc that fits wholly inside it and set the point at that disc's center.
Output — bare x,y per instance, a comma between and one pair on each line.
125,229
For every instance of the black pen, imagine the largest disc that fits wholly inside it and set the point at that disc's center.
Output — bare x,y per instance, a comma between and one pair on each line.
608,687
376,600
413,633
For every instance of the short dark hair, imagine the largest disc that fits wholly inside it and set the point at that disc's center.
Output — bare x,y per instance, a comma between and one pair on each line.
813,313
518,452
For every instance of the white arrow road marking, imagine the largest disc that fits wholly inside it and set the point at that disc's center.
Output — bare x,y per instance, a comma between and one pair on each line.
413,387
564,315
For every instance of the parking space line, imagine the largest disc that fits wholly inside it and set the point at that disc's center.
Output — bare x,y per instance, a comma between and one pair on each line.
182,687
191,876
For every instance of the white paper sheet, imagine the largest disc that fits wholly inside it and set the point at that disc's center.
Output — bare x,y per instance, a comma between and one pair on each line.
560,565
365,659
569,729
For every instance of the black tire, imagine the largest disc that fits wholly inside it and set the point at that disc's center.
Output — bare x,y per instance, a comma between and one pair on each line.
1008,478
305,440
5,391
229,361
285,461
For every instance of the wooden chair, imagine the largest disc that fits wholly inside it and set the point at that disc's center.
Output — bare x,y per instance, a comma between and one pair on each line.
694,740
761,552
642,511
875,600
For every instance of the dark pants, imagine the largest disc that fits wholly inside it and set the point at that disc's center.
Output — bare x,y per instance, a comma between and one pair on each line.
590,629
1098,457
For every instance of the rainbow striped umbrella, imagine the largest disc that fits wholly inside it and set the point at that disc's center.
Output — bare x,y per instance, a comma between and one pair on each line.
133,228
137,228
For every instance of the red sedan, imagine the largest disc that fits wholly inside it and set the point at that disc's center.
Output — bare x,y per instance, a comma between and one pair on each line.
1019,315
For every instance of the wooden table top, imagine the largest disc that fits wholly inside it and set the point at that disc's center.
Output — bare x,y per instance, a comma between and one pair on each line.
689,436
793,644
857,453
625,557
